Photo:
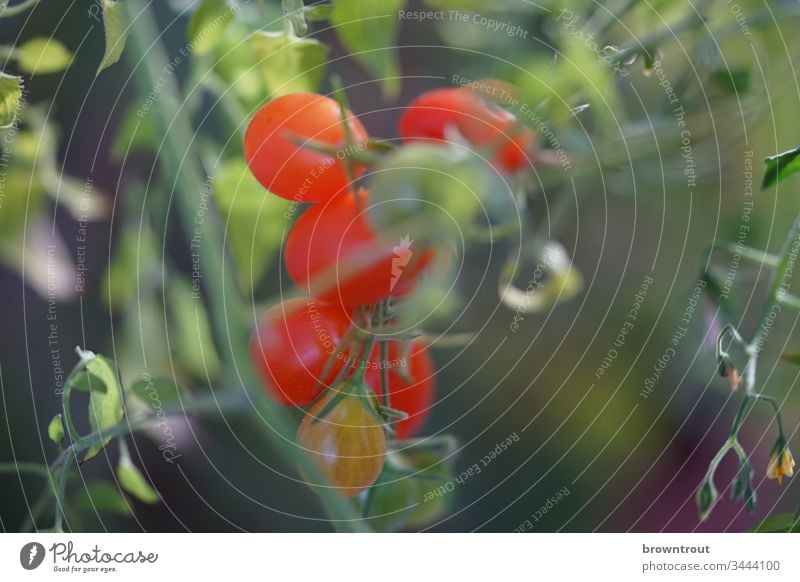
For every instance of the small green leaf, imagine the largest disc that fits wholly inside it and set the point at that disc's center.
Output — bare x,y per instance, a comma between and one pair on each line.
254,221
368,31
115,27
294,11
156,392
87,382
134,482
207,25
10,96
781,166
318,12
41,55
103,497
55,430
105,408
287,63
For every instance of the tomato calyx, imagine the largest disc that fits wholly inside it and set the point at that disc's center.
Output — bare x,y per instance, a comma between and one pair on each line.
354,153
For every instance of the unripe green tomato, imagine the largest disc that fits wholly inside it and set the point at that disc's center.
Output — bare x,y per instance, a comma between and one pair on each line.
348,445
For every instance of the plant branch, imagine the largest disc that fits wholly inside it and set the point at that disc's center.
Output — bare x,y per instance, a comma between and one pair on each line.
230,324
9,11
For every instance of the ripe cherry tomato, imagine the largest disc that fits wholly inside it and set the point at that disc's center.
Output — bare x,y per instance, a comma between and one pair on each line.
291,346
414,396
348,445
480,121
288,169
333,253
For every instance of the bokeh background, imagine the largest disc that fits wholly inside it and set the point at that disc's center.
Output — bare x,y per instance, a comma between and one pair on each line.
629,460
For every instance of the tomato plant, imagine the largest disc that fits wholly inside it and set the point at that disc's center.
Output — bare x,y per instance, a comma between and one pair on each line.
278,140
379,234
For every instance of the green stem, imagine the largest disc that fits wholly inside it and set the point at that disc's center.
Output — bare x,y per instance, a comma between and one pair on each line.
9,11
229,321
60,491
712,467
651,41
84,357
737,421
754,255
774,404
384,347
341,99
223,401
776,284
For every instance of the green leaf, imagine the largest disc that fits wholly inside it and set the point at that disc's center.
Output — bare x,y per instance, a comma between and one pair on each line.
295,12
156,392
318,12
777,523
193,345
115,29
42,55
207,25
368,31
105,407
103,497
55,430
134,133
781,166
255,221
87,382
287,63
132,481
428,191
10,96
402,495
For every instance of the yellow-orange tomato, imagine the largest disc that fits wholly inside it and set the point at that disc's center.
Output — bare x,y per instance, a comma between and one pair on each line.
348,445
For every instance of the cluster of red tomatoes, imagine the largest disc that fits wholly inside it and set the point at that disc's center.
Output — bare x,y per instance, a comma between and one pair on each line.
316,350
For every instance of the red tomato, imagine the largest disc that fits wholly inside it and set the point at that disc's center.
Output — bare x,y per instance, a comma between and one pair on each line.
333,253
348,445
292,344
481,122
415,397
288,169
